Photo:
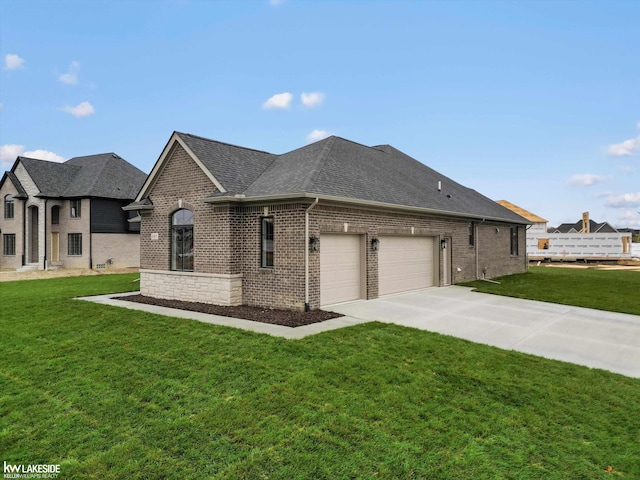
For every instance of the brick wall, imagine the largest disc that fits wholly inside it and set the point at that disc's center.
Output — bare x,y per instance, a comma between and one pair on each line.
282,285
182,184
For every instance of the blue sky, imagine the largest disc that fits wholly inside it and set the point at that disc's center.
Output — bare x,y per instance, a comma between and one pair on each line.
534,102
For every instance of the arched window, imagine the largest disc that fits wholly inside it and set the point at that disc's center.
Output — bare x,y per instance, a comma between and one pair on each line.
8,206
55,215
182,240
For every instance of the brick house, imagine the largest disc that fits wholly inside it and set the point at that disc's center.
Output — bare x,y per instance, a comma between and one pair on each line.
330,222
69,215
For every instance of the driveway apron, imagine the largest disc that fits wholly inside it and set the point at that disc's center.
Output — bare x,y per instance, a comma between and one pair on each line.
583,336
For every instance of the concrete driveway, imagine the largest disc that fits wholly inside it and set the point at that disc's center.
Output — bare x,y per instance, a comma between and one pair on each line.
593,338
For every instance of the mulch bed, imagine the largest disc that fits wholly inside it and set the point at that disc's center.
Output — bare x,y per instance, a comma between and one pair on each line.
287,318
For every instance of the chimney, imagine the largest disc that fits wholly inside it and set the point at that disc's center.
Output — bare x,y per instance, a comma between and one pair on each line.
586,225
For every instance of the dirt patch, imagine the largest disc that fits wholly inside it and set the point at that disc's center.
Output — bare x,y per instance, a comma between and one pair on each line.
287,318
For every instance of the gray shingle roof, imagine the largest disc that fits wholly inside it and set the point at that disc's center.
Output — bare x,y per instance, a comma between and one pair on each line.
594,227
16,183
104,175
233,166
337,167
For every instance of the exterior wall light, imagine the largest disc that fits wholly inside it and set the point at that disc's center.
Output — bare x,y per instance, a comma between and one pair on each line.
314,244
443,244
375,244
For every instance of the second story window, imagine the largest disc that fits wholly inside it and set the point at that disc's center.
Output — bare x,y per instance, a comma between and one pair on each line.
8,206
75,206
55,215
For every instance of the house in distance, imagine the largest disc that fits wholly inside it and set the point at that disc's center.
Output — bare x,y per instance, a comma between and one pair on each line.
69,215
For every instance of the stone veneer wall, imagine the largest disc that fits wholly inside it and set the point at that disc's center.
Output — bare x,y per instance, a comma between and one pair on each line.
220,289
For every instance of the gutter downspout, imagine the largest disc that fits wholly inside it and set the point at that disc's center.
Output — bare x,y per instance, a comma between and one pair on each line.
44,265
24,232
478,249
307,307
90,237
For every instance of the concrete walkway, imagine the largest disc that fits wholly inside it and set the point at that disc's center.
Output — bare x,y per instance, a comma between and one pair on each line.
593,338
259,327
583,336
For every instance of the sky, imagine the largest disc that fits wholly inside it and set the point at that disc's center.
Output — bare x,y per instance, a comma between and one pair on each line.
534,102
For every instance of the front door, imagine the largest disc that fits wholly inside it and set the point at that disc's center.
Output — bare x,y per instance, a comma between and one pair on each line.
55,247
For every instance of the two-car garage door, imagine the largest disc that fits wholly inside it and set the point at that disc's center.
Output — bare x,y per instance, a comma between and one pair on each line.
404,264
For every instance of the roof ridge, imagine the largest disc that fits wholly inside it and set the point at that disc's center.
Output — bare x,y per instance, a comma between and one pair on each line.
224,143
318,162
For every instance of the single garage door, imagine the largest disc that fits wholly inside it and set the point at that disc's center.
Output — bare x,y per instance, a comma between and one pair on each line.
340,268
404,264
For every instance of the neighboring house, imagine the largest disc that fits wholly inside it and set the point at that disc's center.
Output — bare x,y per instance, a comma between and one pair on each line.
538,224
585,225
330,222
69,215
584,240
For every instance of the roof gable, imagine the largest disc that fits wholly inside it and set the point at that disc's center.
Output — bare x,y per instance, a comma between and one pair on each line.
10,176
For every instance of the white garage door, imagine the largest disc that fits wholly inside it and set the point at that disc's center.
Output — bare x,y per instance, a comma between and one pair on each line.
404,264
340,270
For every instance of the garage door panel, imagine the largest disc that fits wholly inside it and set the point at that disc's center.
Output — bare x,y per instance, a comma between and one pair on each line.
405,263
340,268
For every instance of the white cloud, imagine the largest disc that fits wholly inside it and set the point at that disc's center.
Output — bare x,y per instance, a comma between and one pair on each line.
71,77
13,62
629,219
587,179
81,110
628,169
316,135
625,148
312,99
44,155
1,106
276,3
9,152
279,100
625,200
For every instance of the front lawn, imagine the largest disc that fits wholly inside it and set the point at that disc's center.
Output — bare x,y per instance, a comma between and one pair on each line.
612,290
111,393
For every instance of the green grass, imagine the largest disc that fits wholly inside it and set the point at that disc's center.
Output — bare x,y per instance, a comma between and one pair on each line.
111,393
612,290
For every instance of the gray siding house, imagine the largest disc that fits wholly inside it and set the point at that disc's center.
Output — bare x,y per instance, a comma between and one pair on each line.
330,222
69,215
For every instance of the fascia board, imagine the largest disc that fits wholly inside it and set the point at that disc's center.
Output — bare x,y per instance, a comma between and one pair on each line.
159,166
